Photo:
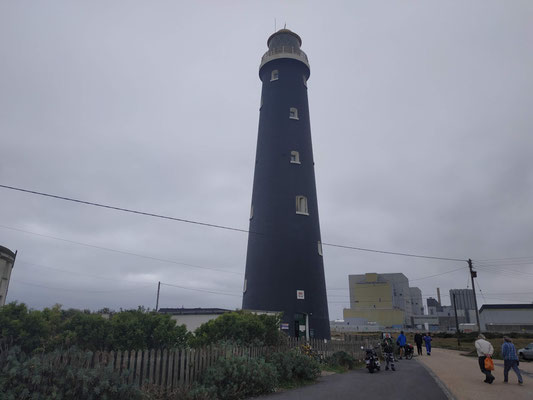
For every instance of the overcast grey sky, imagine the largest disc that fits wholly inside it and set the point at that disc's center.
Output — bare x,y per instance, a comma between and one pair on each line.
421,117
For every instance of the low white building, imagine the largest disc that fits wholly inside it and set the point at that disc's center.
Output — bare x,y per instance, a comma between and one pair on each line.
506,318
7,261
354,325
192,318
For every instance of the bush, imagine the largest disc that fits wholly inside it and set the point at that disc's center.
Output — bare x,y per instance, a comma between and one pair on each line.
240,328
342,359
42,377
240,377
294,366
52,328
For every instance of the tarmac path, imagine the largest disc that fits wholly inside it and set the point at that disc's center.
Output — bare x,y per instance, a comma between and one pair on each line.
410,381
464,380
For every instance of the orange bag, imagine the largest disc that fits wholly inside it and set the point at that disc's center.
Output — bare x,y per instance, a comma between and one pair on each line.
489,364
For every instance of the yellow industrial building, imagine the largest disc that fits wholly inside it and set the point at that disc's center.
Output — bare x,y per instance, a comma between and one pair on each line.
385,299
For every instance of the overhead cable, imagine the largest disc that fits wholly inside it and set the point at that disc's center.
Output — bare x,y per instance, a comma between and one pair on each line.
149,214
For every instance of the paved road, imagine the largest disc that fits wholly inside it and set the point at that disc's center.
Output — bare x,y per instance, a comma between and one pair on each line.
462,377
410,381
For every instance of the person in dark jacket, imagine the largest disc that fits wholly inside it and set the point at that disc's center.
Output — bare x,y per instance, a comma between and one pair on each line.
418,341
388,349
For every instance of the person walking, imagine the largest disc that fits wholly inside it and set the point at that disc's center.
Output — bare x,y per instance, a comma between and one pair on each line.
510,360
418,341
484,349
401,342
388,349
427,341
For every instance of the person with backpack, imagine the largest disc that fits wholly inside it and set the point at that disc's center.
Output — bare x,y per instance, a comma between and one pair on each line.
484,350
510,360
418,341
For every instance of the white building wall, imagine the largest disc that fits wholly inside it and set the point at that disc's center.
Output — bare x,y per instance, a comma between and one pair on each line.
520,316
192,322
6,266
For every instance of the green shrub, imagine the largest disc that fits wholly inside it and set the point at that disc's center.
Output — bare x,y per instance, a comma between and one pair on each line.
52,328
42,377
294,366
241,328
342,359
240,377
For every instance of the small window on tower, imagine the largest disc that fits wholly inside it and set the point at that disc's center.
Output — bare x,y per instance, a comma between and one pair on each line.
245,286
252,211
295,157
305,80
293,113
274,76
319,248
301,205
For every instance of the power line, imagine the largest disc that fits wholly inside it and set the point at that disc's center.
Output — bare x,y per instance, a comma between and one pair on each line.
431,276
114,280
210,225
202,290
80,290
148,214
392,252
416,279
121,251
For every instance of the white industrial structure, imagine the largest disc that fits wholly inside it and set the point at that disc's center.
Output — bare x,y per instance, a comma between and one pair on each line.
7,261
506,318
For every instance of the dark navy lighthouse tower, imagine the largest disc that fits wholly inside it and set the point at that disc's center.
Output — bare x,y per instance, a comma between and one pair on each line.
284,266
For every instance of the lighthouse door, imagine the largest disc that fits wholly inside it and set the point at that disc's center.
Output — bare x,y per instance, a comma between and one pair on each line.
299,325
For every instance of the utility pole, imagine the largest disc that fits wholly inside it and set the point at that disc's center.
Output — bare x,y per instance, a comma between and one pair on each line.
157,301
456,320
473,274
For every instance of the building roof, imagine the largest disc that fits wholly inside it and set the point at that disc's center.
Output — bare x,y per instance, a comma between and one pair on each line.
5,250
284,30
193,311
505,306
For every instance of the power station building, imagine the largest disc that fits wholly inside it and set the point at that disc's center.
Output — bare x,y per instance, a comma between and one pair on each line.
7,261
284,264
385,299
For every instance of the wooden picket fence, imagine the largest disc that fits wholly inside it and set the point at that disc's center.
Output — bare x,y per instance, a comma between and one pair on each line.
171,368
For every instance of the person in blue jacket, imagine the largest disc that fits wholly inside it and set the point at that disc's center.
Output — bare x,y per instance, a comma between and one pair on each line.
401,342
427,341
510,360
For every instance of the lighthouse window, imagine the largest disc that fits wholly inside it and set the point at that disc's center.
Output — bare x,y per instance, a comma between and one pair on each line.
319,248
301,205
252,211
293,113
295,157
305,81
274,76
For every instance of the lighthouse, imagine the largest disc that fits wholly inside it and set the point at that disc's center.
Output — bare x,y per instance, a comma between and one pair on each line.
284,263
